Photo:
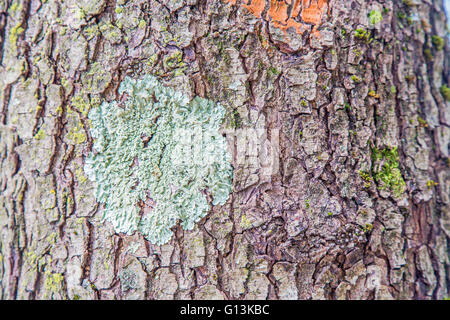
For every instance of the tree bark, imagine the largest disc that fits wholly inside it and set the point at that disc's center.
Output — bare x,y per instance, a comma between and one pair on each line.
351,201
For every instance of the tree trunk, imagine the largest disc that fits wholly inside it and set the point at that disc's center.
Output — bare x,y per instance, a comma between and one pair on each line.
345,193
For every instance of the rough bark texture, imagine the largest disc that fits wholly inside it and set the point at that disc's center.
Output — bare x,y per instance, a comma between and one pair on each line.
332,101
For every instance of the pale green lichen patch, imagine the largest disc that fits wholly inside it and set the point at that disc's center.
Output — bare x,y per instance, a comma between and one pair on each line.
157,145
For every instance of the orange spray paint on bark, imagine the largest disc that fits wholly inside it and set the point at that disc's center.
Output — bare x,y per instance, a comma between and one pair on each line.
285,14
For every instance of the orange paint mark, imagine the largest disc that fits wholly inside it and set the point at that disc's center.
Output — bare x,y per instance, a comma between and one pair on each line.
278,14
278,11
256,7
284,13
314,10
288,14
296,8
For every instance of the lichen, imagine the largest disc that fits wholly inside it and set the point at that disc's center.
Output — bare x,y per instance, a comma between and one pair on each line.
40,134
53,282
14,35
160,148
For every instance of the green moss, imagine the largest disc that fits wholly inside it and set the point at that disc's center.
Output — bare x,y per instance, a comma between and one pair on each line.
373,94
401,15
226,58
367,228
272,71
158,145
385,169
422,122
363,35
357,52
428,55
355,79
366,177
431,184
235,120
445,91
375,16
438,42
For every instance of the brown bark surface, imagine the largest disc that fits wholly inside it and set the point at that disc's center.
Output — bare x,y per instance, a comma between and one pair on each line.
333,96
